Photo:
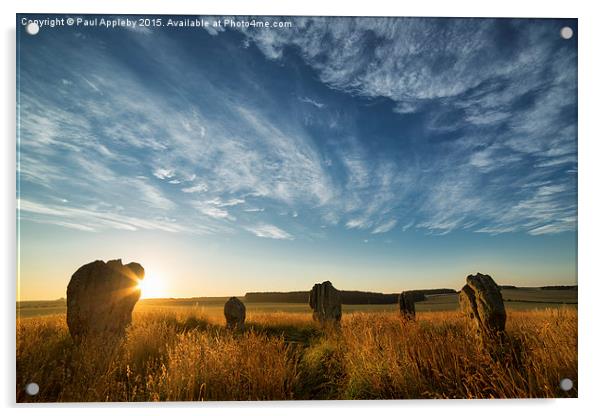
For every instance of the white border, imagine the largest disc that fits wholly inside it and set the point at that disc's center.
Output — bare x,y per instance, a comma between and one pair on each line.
590,68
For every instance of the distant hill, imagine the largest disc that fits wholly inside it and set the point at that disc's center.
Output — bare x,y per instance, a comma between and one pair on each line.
348,297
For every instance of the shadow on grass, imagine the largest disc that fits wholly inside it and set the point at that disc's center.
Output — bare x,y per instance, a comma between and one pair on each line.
293,334
322,372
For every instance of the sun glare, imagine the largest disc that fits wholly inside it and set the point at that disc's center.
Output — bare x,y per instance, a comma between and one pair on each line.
151,287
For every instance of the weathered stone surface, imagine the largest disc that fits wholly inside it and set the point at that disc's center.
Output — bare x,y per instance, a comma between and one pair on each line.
101,297
325,301
406,303
481,300
235,313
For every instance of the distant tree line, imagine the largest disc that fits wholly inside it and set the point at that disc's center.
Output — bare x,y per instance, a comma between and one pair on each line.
348,297
285,297
573,287
437,291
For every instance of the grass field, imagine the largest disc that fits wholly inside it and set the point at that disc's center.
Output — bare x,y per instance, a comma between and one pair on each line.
522,298
184,353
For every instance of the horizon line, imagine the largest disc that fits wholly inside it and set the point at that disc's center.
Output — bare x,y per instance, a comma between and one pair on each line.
293,291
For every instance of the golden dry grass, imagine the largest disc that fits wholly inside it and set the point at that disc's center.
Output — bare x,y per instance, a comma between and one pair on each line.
186,354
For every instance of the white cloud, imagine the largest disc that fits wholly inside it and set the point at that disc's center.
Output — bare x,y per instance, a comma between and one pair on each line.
385,227
239,149
226,203
360,223
406,65
312,102
212,27
151,195
88,219
91,84
244,153
201,187
66,224
213,210
481,159
407,226
477,88
570,159
566,224
269,231
254,209
164,173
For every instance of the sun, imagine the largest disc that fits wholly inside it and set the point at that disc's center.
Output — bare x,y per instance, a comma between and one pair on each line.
151,286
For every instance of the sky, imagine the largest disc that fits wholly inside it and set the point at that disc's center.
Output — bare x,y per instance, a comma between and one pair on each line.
383,154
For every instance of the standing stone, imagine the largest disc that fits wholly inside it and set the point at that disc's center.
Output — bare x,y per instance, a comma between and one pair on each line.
235,313
101,297
325,301
481,300
407,306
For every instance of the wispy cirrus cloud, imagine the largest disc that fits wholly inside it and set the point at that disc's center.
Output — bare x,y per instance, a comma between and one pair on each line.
308,100
384,227
269,231
516,100
195,188
163,173
99,142
359,223
214,211
90,219
473,132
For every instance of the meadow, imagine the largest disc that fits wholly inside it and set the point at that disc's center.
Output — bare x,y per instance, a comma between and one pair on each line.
520,298
181,353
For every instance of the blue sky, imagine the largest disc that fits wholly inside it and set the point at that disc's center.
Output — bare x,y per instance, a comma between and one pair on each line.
379,153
